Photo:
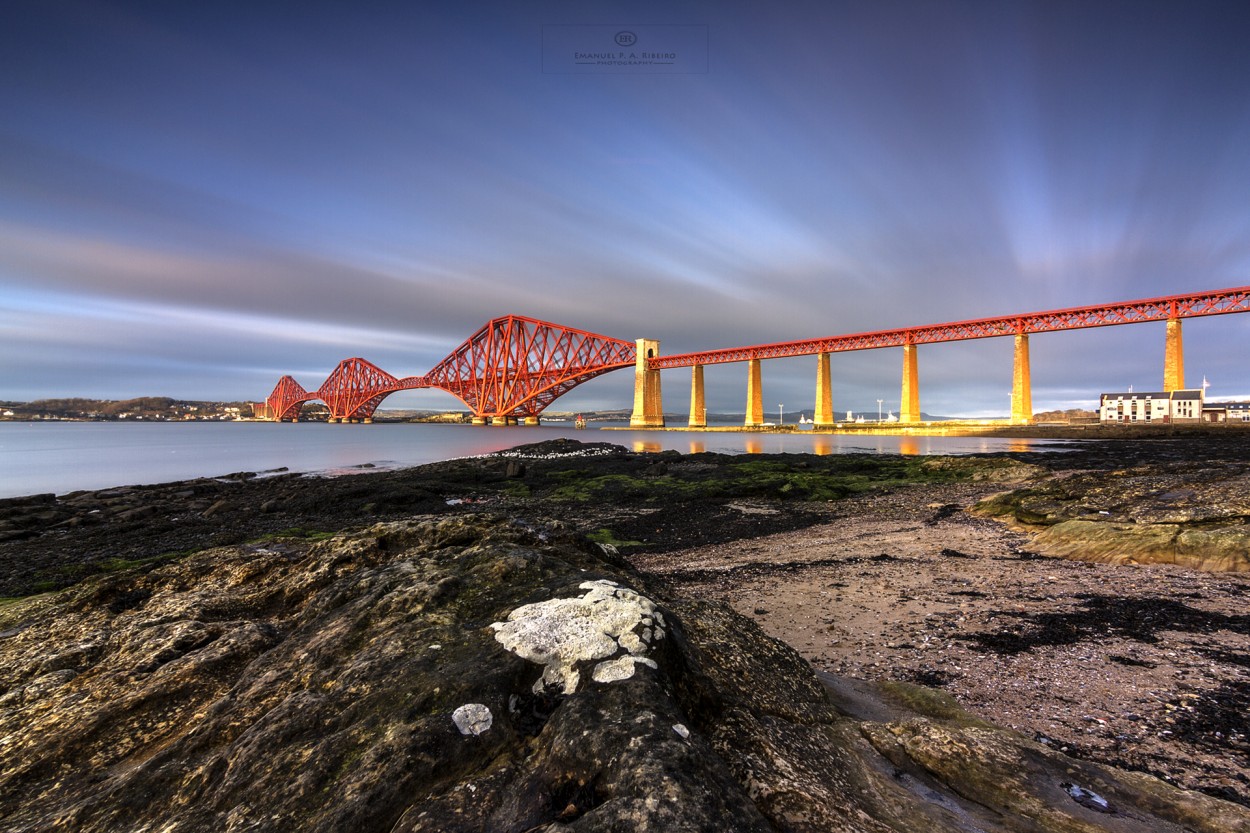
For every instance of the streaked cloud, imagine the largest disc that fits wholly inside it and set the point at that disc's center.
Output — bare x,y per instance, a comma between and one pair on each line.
193,199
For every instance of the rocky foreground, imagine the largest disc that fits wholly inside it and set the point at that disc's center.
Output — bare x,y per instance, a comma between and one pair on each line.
481,664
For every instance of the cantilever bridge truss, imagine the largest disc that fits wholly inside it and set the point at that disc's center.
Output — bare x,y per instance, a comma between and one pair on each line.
513,367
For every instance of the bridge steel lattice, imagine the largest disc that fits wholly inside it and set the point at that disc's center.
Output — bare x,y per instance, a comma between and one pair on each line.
510,369
514,367
1171,309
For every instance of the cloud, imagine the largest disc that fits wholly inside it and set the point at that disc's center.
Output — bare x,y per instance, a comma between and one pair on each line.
195,202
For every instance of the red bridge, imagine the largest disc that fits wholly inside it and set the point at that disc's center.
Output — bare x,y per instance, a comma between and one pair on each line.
509,370
514,367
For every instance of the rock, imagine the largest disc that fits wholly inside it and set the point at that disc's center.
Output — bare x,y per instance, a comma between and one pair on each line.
472,719
1186,512
10,503
217,508
470,674
514,469
1224,550
136,514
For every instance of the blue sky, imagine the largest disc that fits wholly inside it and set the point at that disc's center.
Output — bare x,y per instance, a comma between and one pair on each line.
198,198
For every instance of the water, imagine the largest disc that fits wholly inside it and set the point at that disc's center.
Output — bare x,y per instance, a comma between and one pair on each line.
62,457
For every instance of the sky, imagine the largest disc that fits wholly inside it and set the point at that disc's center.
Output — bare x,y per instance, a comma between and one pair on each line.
198,198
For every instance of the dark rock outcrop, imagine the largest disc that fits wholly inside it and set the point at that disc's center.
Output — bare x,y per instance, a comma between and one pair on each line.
475,674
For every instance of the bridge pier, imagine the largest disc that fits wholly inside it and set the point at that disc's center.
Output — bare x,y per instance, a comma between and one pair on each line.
755,394
648,407
1021,385
1173,358
479,420
824,393
698,407
531,420
909,401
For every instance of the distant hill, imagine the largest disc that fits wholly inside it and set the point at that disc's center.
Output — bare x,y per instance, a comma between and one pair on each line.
143,407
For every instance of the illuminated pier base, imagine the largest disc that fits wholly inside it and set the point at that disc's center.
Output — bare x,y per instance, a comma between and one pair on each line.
1021,386
479,420
530,420
824,394
648,408
1174,358
909,401
755,396
698,407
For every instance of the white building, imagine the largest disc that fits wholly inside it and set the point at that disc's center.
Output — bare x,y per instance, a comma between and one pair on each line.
1235,411
1153,406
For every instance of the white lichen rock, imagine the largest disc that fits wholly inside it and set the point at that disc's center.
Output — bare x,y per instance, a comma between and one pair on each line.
472,719
621,668
560,633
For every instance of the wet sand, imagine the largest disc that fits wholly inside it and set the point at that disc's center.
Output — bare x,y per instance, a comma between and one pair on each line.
1144,667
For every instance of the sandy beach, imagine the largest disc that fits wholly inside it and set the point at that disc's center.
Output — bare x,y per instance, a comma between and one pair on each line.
1141,666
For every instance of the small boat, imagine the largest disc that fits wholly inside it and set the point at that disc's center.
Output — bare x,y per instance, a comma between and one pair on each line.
579,422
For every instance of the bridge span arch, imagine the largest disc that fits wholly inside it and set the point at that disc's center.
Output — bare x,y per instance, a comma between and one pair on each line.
511,369
514,367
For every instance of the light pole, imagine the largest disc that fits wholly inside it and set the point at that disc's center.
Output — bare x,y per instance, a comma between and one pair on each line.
879,401
782,418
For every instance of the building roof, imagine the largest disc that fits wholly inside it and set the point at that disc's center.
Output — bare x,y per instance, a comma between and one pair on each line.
1133,394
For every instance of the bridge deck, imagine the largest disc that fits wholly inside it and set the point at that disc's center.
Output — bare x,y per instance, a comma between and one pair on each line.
1218,302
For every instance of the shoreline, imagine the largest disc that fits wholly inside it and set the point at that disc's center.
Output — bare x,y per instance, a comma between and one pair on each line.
870,565
100,457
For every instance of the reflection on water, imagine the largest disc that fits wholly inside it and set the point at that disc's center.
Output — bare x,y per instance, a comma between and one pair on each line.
64,456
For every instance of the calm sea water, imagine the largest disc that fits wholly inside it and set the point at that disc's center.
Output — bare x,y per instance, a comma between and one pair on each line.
62,457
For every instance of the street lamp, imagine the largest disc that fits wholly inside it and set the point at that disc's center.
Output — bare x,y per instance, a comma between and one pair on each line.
782,418
879,401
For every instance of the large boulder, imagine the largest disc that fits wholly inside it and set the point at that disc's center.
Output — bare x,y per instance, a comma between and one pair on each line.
476,674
